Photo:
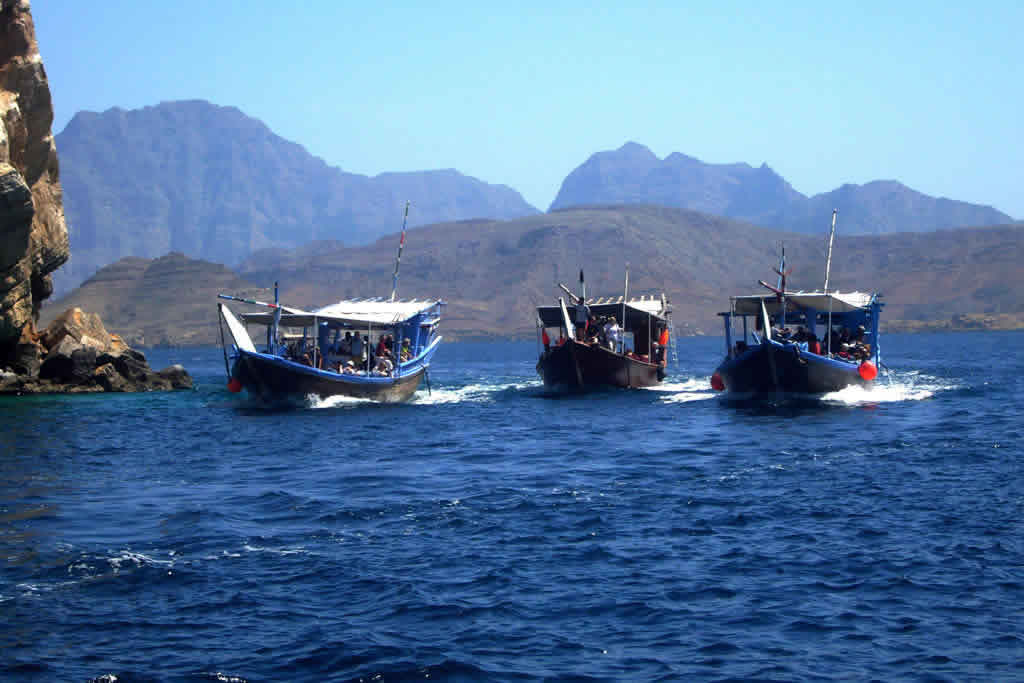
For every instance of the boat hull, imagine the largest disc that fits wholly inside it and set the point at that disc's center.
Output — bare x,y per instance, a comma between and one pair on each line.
575,366
771,368
273,378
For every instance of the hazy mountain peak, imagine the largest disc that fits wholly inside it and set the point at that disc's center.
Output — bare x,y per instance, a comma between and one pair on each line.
212,182
759,195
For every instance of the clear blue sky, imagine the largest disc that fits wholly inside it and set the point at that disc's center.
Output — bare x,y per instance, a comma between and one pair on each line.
926,93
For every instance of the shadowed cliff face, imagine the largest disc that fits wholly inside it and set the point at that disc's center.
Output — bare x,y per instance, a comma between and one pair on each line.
33,235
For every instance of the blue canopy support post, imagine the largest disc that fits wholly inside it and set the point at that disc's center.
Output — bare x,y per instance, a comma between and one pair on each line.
272,332
727,317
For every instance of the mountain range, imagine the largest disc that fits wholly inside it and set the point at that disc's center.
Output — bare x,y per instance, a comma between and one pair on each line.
493,273
633,174
211,182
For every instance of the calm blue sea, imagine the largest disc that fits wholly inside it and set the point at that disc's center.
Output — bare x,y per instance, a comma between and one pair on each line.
489,532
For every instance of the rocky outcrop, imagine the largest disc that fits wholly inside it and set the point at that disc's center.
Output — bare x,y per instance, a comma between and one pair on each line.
77,355
33,235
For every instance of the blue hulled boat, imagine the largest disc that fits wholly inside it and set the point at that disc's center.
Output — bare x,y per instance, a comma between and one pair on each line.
795,352
800,342
314,353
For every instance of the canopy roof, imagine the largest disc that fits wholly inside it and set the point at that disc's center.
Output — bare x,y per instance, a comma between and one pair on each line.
354,312
837,302
637,310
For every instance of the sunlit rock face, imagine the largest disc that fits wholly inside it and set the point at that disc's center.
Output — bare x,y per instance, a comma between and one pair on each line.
33,234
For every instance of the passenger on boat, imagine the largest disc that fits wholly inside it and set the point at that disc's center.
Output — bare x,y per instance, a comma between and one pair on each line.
546,340
345,345
384,367
406,349
582,318
613,333
357,347
371,354
349,368
813,345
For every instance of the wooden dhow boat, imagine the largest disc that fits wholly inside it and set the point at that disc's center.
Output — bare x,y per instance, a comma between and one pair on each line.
373,348
800,342
603,342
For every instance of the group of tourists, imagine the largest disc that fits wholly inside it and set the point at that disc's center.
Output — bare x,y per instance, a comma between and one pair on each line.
840,342
353,354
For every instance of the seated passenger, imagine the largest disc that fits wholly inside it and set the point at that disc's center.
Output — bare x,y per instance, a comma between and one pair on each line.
813,345
384,366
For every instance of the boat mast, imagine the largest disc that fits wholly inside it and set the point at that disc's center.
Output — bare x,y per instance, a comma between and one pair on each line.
398,259
831,237
828,266
781,286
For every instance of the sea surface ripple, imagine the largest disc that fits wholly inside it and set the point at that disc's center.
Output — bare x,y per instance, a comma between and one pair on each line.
491,531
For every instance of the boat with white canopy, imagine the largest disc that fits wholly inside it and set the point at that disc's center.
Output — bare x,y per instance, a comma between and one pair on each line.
604,341
800,342
315,353
372,348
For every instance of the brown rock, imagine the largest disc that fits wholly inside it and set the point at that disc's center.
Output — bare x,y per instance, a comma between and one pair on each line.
85,328
176,376
33,234
107,377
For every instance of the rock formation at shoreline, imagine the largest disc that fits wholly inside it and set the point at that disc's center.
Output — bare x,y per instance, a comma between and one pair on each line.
82,357
34,243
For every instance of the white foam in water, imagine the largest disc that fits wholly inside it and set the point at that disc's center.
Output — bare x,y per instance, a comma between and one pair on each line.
436,396
695,389
136,560
908,387
313,401
471,393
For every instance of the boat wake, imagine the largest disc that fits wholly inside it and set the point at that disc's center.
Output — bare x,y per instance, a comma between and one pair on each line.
903,387
316,403
694,389
471,393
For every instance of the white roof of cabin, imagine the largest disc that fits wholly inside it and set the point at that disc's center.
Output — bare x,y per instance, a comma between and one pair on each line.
355,312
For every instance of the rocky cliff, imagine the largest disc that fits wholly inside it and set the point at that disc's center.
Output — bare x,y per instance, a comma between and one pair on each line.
75,353
33,235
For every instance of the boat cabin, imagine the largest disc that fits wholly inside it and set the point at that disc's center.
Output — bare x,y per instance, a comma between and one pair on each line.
636,327
351,336
835,325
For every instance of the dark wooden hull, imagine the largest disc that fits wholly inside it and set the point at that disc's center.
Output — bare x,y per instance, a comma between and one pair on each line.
772,368
273,379
575,366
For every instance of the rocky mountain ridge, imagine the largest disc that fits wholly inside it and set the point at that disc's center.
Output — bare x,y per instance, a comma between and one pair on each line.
633,174
214,183
492,274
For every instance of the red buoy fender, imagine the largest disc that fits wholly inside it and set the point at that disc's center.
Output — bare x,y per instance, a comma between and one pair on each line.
867,371
234,385
716,382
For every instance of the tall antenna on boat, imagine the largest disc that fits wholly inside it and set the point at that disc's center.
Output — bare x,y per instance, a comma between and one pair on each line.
398,260
831,237
828,266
